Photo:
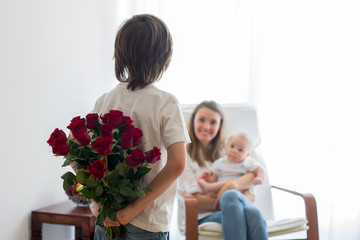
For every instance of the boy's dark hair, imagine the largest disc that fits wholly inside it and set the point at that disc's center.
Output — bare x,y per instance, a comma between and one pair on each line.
143,49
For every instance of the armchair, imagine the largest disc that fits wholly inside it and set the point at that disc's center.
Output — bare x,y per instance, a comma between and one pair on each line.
243,118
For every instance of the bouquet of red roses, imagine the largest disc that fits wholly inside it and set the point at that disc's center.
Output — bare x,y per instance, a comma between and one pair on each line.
108,159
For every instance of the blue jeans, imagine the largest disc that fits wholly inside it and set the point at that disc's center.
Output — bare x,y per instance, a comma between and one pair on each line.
239,218
132,233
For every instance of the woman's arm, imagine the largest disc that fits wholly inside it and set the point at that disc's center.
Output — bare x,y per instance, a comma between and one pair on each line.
174,167
204,202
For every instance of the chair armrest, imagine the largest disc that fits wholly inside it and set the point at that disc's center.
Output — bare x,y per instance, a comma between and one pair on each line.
191,215
310,210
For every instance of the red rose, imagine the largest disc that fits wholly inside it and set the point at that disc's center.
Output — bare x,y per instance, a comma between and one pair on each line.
97,169
106,130
82,136
104,118
60,147
58,142
103,145
127,140
92,120
57,133
137,136
153,155
127,124
114,117
136,158
76,124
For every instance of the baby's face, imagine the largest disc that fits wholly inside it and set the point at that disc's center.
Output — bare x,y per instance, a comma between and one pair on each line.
236,149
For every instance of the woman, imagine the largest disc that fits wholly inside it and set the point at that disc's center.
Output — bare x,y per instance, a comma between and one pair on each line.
240,219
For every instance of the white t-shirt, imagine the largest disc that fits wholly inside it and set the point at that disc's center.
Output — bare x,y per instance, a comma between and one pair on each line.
227,169
157,113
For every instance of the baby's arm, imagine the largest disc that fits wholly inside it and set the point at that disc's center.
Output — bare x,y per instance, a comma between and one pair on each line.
259,171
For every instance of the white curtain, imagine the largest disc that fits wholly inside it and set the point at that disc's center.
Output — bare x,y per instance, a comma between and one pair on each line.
307,55
298,63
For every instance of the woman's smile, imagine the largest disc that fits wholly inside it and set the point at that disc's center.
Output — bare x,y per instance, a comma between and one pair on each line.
206,124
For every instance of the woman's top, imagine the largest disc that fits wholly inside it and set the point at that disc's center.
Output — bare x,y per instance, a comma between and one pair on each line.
157,113
187,180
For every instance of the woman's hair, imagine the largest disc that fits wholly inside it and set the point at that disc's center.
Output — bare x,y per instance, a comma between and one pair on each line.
143,49
216,147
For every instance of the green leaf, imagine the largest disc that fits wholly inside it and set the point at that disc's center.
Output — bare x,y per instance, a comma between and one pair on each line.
142,171
139,191
113,177
122,169
66,186
101,217
112,214
147,190
118,205
118,198
67,162
82,176
85,152
92,183
69,180
123,183
73,146
119,202
88,192
98,190
68,175
126,191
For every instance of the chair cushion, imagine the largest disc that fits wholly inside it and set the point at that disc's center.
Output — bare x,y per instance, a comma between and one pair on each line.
274,228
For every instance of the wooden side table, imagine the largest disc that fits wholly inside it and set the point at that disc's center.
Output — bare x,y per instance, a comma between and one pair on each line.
66,213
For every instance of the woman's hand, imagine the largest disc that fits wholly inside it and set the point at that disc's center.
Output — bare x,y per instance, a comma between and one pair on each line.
227,186
240,184
204,202
249,194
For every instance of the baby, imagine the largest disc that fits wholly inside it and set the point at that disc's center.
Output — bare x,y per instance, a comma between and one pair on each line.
235,164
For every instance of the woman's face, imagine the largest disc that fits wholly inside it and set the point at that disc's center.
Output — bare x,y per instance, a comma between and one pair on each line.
206,125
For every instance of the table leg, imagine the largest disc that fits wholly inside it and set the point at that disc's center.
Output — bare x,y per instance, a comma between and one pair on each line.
36,228
78,235
88,229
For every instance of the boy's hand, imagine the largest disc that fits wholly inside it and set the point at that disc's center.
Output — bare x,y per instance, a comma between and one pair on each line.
127,214
109,223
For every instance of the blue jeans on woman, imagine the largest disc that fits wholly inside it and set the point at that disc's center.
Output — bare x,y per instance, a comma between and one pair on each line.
132,233
239,218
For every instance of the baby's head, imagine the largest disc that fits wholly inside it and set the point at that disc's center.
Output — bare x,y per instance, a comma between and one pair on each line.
238,147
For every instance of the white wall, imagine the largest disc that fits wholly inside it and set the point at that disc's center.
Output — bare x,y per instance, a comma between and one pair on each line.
55,60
